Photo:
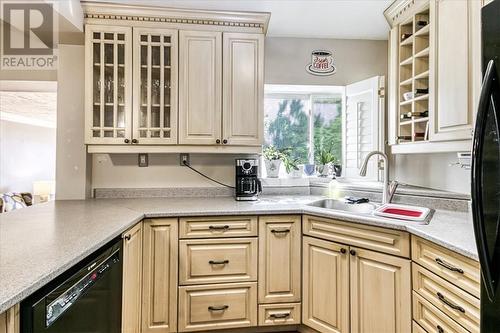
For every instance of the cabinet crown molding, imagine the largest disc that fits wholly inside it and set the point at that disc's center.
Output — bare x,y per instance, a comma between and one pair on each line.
121,12
397,9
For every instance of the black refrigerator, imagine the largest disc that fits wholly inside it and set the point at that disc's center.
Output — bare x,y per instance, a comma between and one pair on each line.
485,189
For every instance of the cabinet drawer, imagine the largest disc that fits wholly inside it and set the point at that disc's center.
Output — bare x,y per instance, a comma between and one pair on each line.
459,305
457,269
389,241
217,260
279,314
431,318
217,306
212,227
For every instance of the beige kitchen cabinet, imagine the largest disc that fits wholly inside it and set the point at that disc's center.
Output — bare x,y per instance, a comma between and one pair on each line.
454,69
279,259
108,84
433,45
9,320
196,77
350,289
159,276
132,280
155,89
325,279
380,287
200,87
243,89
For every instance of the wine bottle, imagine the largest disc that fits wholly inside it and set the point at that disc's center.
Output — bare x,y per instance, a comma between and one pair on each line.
421,91
406,35
410,114
421,23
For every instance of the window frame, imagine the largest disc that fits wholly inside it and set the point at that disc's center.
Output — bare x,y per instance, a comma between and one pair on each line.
311,92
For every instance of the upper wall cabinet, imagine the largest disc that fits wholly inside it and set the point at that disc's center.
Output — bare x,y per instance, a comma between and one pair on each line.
434,74
108,84
200,92
243,104
173,80
155,80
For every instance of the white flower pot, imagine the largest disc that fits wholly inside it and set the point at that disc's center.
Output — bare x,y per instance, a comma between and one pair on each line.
324,170
297,173
272,168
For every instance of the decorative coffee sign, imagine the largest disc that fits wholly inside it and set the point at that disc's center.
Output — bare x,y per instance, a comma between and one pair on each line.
321,63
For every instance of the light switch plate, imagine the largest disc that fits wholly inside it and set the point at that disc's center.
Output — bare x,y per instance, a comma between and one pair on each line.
143,160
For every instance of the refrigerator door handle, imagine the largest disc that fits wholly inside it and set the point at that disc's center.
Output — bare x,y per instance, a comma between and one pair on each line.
485,99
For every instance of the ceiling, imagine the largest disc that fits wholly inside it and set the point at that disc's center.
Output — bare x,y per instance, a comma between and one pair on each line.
346,19
28,107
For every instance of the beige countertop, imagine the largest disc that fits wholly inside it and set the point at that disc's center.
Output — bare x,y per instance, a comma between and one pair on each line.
40,242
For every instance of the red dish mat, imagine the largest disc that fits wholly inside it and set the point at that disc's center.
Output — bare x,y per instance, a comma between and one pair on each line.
403,212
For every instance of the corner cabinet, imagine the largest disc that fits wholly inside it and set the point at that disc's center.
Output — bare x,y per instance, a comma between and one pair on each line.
166,80
434,74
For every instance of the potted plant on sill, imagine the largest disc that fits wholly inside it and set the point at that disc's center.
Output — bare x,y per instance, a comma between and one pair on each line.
293,169
272,160
324,163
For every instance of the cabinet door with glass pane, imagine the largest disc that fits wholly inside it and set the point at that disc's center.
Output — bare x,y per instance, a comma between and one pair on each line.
108,84
155,86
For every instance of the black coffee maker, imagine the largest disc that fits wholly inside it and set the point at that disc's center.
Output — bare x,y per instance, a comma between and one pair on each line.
248,185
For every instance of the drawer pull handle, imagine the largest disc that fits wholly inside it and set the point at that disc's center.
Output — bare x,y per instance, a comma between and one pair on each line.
450,304
218,262
218,308
448,266
218,227
279,315
440,329
280,231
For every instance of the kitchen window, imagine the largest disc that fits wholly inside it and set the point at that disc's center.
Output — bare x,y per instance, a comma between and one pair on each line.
305,118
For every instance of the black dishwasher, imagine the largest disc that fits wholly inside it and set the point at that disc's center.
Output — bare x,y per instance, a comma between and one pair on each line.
86,298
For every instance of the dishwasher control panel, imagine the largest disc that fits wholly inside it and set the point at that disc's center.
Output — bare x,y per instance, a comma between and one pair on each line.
62,303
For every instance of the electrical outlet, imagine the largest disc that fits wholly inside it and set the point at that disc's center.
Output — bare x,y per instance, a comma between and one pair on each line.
184,158
143,160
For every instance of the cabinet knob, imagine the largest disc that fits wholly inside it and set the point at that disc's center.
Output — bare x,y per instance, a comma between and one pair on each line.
127,237
135,141
224,141
352,252
343,251
126,140
217,141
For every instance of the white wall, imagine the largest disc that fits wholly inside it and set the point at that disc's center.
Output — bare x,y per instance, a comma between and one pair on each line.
73,164
431,170
27,154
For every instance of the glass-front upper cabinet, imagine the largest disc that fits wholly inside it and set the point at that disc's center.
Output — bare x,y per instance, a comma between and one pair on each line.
108,78
155,84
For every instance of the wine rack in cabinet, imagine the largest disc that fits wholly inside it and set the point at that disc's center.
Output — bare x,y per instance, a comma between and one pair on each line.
413,116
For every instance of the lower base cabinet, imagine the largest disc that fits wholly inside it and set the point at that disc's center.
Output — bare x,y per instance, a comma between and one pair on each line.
380,287
342,282
206,307
159,276
9,320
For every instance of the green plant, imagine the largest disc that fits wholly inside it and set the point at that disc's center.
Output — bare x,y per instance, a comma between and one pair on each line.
290,163
324,157
272,153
